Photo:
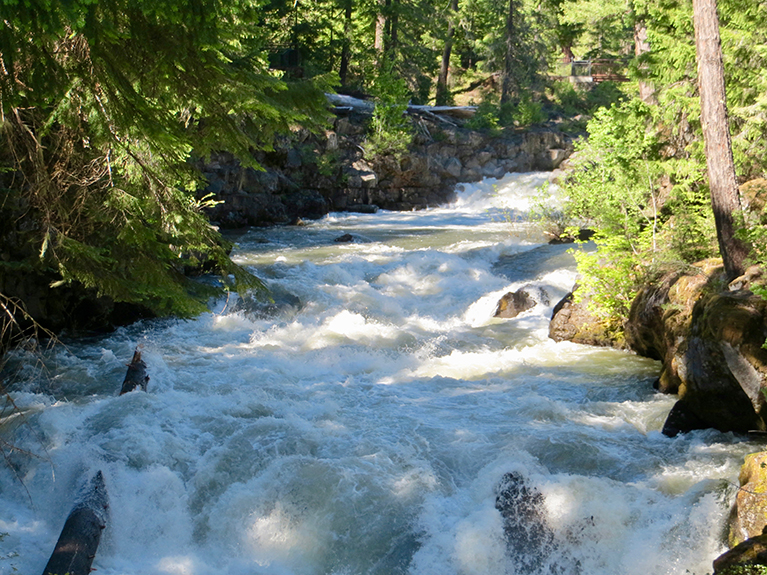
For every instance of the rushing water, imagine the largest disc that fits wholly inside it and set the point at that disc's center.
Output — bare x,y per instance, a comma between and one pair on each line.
364,427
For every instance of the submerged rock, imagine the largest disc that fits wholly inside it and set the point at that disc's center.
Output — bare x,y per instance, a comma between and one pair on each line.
531,543
529,539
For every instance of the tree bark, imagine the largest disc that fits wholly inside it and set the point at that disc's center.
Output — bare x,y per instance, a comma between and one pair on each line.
508,87
641,47
378,42
393,35
346,50
443,96
716,133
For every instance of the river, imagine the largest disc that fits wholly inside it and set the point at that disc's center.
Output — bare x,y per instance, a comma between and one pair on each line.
362,423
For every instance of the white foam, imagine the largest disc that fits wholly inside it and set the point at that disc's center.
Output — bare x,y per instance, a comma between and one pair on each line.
365,428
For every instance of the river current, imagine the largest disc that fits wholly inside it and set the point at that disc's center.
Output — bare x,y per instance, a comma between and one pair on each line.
363,422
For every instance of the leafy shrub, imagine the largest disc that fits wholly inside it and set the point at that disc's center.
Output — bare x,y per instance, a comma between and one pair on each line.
615,189
485,118
389,132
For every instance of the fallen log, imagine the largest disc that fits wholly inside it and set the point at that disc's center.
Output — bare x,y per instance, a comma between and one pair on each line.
136,376
346,103
464,112
79,539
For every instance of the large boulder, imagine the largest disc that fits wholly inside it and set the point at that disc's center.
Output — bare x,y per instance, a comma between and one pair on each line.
573,321
749,515
514,303
747,558
709,336
660,315
722,364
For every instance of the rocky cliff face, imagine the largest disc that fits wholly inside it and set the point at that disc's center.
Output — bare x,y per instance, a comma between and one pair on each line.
708,336
307,176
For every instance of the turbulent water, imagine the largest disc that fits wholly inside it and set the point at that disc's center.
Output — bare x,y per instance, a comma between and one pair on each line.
363,422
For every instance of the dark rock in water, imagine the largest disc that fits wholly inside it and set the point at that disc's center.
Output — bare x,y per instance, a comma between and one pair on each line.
681,420
744,559
346,238
514,303
530,542
136,377
257,308
80,537
529,539
362,208
584,235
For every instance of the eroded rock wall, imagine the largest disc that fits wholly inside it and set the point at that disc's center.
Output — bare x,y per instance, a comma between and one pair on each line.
307,176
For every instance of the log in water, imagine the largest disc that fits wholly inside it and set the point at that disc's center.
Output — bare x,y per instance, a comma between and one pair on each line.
80,537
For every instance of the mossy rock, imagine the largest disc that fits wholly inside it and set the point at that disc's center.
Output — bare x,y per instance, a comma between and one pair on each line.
749,557
749,516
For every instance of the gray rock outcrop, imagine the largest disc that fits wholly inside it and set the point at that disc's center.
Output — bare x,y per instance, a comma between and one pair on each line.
307,176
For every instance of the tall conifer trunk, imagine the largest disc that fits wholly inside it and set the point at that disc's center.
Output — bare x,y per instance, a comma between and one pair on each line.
442,97
716,133
391,46
346,50
641,47
508,88
378,42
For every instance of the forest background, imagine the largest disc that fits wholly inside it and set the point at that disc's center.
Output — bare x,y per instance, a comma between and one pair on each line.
106,103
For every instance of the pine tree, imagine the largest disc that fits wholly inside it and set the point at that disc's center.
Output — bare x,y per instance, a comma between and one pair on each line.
103,104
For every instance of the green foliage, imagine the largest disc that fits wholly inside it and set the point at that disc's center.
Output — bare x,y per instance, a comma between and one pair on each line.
523,113
102,105
587,100
646,212
613,183
601,27
610,276
486,117
389,133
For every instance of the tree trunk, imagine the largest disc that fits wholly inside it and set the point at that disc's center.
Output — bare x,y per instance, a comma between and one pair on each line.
716,133
391,45
378,42
443,96
641,47
508,88
343,71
